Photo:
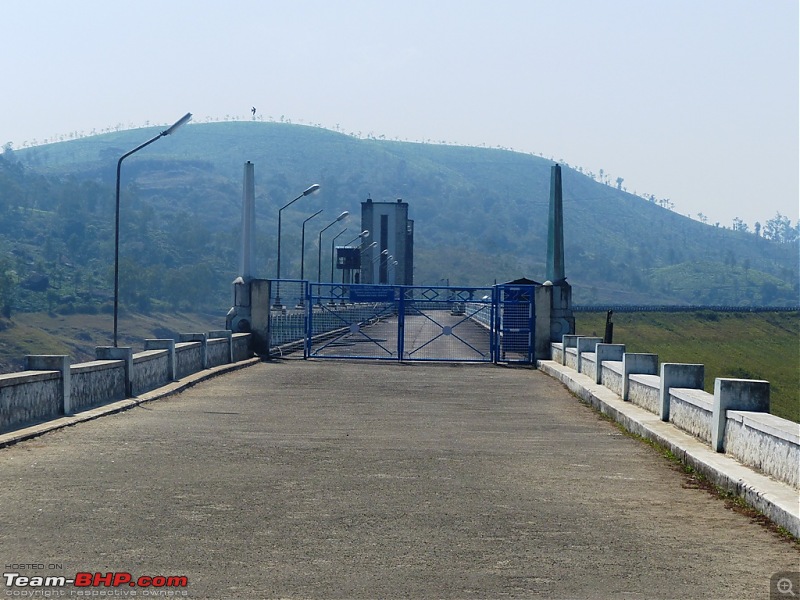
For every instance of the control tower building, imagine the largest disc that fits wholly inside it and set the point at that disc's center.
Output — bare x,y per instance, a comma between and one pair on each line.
391,259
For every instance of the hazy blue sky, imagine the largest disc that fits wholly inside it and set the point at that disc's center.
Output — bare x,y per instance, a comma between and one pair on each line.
692,100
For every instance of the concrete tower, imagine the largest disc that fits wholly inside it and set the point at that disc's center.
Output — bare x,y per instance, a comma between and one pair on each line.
393,233
562,320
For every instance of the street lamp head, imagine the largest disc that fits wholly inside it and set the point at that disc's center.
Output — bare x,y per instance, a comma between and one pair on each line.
364,234
311,189
182,121
385,252
342,216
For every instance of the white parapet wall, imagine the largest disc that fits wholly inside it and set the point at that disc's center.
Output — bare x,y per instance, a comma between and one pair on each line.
733,420
691,411
589,364
97,382
557,352
643,391
636,364
218,351
52,387
677,375
611,375
241,347
586,346
189,357
765,442
30,396
569,343
607,352
151,370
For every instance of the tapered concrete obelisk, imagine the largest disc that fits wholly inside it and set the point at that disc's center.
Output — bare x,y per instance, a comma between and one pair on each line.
562,320
239,317
555,229
248,221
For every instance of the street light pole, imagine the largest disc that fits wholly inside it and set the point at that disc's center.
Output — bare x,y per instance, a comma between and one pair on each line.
183,120
303,243
361,268
319,243
309,190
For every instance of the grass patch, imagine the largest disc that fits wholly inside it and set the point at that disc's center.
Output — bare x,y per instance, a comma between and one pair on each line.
742,345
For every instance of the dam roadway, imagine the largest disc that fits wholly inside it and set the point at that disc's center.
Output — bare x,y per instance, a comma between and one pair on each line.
347,479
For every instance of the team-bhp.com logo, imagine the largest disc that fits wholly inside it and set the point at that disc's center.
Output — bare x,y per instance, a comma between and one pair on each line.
95,580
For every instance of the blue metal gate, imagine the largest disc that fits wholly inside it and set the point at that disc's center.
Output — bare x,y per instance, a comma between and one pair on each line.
445,324
515,324
354,321
419,323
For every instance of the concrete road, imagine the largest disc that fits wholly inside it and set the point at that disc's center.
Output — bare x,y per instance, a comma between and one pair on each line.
326,479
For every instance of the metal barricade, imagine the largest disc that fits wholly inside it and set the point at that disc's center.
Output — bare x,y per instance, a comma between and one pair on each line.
444,324
515,323
412,323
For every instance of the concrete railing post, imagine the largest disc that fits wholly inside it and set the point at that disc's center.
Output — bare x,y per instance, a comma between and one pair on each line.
586,344
54,362
735,394
568,341
677,375
225,334
607,352
640,364
124,354
169,346
197,337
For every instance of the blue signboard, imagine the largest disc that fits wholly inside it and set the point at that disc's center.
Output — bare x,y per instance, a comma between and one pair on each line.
372,293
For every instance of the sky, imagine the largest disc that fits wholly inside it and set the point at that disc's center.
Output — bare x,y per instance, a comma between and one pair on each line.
691,100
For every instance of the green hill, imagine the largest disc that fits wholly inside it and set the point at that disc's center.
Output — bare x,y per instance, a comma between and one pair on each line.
480,216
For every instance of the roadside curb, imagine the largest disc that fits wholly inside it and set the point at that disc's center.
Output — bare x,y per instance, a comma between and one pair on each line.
777,501
32,431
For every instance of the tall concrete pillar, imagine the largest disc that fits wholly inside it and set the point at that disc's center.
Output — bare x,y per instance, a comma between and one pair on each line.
555,229
562,320
239,317
248,221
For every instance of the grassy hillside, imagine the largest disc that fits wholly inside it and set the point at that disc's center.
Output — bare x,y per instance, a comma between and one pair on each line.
740,345
480,214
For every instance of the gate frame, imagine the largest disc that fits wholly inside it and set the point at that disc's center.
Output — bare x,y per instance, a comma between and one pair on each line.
498,327
454,299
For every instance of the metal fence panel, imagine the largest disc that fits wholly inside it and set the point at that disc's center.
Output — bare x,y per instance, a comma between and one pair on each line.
515,322
287,315
385,322
444,324
352,322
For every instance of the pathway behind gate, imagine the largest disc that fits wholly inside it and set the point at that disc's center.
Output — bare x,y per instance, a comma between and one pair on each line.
340,479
